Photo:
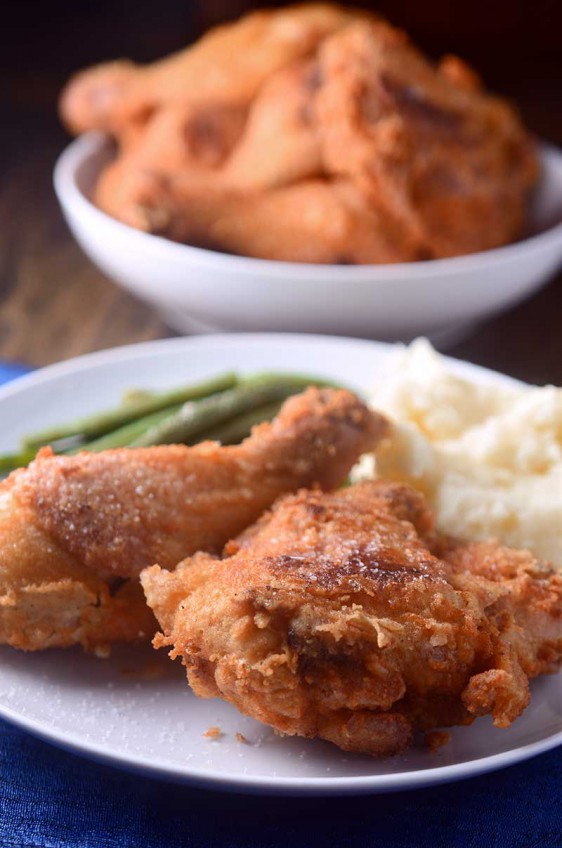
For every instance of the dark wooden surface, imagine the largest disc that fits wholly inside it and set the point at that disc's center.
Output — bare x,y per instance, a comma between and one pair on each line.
54,304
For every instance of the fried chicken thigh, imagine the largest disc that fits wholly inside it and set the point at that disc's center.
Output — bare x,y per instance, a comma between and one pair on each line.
344,616
75,531
449,165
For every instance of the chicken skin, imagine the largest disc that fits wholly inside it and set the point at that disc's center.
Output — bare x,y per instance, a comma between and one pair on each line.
345,616
295,131
309,221
448,165
75,531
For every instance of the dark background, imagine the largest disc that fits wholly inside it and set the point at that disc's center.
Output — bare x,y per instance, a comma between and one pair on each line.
54,304
515,45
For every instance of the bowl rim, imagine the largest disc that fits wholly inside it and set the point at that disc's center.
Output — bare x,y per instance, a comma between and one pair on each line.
90,144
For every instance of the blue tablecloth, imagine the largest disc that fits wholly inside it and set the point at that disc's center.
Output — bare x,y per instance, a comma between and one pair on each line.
10,370
49,798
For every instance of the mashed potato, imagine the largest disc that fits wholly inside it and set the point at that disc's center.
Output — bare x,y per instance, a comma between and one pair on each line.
487,455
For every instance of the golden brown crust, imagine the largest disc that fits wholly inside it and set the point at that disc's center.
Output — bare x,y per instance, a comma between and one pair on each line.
191,139
49,599
450,166
334,617
308,221
313,134
522,593
73,528
119,510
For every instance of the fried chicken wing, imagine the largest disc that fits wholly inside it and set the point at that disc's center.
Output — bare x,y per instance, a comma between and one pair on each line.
345,616
75,531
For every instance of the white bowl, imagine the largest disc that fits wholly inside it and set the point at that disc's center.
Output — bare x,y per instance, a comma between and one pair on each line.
201,290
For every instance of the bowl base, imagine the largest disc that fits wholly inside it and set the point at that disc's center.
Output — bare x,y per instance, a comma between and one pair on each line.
186,325
441,339
444,339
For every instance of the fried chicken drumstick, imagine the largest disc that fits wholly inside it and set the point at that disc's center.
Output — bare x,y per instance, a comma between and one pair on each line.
344,616
75,531
293,132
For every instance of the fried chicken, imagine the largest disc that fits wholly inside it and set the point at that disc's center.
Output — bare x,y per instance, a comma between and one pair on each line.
192,140
327,109
75,531
280,144
450,166
345,616
195,142
308,221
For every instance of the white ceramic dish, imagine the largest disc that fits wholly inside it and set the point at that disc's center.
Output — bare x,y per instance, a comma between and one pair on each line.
150,722
202,290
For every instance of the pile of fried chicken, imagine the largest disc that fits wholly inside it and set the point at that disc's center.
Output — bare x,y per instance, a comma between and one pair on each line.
314,133
323,611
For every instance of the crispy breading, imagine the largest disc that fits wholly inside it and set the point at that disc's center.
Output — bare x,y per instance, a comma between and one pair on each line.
75,531
49,598
449,165
307,221
345,616
294,132
524,599
191,139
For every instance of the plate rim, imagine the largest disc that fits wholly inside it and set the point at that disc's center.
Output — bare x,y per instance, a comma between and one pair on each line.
372,784
258,784
128,351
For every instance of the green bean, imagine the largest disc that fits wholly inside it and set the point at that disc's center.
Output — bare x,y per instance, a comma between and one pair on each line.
134,396
302,381
96,425
125,435
121,437
194,420
234,431
11,461
133,434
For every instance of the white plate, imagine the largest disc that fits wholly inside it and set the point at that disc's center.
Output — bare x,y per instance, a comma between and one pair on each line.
116,712
199,290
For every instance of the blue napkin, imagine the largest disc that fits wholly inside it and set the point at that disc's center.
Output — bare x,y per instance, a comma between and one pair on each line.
52,799
10,370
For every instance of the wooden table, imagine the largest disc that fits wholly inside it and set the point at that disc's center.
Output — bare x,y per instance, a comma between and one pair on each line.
54,304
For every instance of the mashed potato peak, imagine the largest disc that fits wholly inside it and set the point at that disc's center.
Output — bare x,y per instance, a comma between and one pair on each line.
487,455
